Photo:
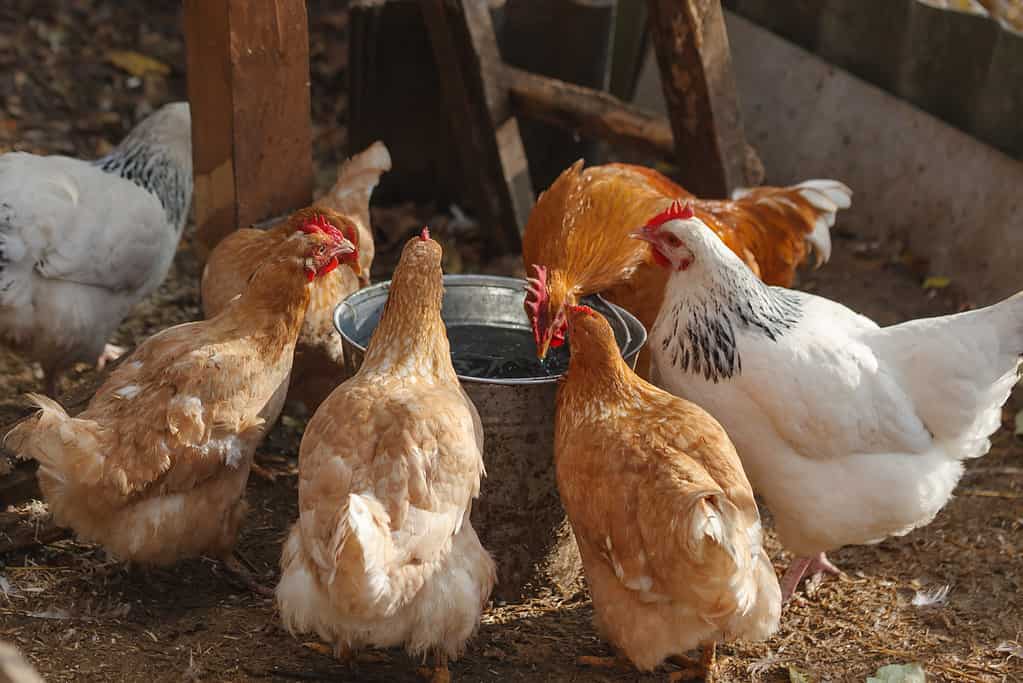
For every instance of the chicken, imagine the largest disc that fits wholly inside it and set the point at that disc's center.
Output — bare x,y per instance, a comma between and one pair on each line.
81,242
318,360
155,467
575,245
662,512
850,431
383,553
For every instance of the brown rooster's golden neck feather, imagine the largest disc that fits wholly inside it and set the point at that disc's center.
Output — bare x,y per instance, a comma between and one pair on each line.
411,332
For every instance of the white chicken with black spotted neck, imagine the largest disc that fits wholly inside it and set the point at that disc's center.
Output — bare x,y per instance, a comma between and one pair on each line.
81,242
851,432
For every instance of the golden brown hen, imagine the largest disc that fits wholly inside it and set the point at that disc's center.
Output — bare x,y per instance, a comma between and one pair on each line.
318,354
577,239
664,517
155,467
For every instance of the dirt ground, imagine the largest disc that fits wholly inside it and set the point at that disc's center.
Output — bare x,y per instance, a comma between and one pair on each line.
59,93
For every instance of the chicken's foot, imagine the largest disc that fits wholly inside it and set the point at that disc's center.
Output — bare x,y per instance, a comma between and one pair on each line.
440,672
695,670
110,353
234,566
805,566
617,662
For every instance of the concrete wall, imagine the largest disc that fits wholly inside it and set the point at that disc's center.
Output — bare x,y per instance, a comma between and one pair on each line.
957,201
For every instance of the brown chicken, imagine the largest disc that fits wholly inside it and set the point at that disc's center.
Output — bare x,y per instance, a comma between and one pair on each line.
155,468
383,553
319,354
662,512
576,241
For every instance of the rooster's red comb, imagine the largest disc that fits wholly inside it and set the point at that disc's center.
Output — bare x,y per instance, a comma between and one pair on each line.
537,295
319,223
679,210
425,234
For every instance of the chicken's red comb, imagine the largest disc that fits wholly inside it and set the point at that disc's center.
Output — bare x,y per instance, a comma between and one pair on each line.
425,234
679,210
582,310
319,223
537,295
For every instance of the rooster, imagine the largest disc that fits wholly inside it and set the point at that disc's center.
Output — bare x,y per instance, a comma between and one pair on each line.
575,241
155,468
383,553
664,517
318,360
851,432
81,242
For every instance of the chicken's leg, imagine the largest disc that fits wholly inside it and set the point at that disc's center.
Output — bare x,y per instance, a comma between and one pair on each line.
695,670
802,566
110,353
439,673
234,565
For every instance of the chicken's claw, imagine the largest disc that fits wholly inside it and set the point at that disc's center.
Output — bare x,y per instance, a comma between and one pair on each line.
110,354
233,565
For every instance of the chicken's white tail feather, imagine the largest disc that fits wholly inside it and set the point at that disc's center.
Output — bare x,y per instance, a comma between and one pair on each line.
717,519
368,521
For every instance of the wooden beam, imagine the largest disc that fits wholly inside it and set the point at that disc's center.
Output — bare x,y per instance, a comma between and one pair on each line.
248,85
589,113
699,88
494,166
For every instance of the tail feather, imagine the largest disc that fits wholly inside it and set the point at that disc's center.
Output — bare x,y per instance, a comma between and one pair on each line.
821,197
69,450
356,179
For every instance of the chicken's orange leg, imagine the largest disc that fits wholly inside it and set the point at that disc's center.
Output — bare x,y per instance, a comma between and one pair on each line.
439,673
695,670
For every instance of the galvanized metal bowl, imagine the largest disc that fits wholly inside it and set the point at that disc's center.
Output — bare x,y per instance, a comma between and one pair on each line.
518,514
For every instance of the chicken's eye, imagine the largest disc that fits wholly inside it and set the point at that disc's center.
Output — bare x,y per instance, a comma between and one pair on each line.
321,250
673,241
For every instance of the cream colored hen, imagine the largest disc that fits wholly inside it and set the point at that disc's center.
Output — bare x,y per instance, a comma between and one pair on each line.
383,553
155,467
662,512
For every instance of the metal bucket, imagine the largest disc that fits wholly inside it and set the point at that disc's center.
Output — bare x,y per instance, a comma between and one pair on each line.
518,515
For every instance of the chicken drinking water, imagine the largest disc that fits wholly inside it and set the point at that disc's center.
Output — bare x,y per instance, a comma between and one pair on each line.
576,243
664,517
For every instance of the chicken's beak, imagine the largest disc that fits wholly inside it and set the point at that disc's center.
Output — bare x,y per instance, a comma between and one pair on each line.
646,234
346,253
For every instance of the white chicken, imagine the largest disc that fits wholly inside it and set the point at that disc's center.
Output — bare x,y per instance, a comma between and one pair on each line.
383,553
81,242
850,431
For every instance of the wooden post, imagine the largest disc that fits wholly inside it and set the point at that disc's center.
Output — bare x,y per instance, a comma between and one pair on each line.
248,85
589,113
699,89
490,147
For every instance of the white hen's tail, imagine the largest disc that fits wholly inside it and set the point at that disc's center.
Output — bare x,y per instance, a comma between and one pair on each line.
959,370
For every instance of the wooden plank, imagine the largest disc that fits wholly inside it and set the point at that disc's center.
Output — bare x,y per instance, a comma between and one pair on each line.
473,88
699,89
565,39
248,85
589,113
